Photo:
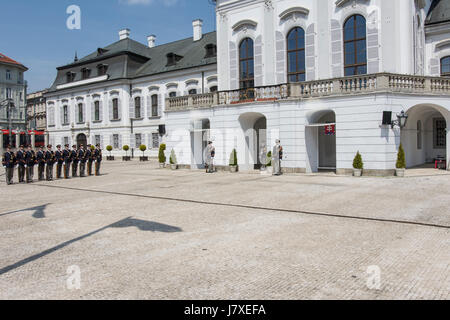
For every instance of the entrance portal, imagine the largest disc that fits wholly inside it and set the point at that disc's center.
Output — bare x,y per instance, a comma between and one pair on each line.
425,136
320,139
254,128
81,140
200,134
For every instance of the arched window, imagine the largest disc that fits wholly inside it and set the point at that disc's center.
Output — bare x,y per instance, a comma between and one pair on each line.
355,47
192,91
445,66
419,135
137,107
246,63
296,55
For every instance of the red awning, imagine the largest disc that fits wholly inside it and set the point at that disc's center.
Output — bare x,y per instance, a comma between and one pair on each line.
38,133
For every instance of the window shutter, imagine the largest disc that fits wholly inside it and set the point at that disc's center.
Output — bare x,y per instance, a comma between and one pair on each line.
110,107
119,103
234,84
100,110
281,58
310,53
435,67
61,115
149,106
373,53
258,62
132,108
160,105
336,49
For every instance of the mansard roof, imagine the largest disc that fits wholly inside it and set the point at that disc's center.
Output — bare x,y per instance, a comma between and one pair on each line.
439,12
130,59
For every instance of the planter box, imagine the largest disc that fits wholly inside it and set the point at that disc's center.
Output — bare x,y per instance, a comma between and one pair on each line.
110,158
173,166
162,165
233,169
143,159
357,172
126,158
400,172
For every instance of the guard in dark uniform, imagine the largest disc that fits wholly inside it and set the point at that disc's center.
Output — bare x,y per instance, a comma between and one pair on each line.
59,161
89,159
98,159
9,162
66,157
74,160
30,162
20,157
40,159
82,159
49,161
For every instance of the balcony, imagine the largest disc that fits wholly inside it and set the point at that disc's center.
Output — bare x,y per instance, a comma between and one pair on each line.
355,85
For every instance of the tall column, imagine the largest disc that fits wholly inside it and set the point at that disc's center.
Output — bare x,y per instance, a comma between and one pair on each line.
46,139
17,139
33,140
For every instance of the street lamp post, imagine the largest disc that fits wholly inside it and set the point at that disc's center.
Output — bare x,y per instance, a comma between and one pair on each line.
9,104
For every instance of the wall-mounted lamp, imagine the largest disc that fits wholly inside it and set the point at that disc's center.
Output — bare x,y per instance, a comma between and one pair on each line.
402,119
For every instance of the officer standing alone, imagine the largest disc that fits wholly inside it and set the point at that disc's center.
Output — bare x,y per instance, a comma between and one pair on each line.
98,159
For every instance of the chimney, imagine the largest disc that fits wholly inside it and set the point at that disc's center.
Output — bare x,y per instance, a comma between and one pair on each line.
151,41
124,34
198,33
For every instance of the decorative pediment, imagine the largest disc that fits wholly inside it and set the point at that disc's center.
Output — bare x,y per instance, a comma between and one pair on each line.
153,88
245,24
442,44
295,10
340,3
172,85
191,82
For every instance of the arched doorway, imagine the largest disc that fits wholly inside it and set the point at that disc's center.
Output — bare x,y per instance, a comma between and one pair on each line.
81,140
320,140
424,137
200,134
254,130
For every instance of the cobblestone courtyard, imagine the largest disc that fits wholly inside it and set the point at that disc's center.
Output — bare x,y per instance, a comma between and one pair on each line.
139,232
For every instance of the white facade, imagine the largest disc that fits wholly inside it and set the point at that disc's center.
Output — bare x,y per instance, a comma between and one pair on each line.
398,45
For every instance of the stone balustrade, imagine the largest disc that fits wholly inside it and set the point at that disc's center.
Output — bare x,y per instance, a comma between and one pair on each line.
363,84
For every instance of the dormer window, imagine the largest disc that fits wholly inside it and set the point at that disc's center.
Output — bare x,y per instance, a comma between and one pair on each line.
70,76
102,69
172,59
101,51
86,73
211,50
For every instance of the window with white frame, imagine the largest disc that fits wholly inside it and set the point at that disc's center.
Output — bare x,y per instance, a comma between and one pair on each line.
440,133
97,140
138,140
137,107
116,141
97,110
65,115
80,113
154,105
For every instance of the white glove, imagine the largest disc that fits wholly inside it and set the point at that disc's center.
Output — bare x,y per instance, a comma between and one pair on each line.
4,167
25,166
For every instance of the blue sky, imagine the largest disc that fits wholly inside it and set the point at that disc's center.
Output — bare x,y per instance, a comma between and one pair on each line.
35,32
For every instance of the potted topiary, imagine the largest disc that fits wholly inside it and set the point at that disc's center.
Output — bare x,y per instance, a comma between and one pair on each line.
173,160
269,167
143,148
126,158
401,162
162,156
233,161
358,165
109,149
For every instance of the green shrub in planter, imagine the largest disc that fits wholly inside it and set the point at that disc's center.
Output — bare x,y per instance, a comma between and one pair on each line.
161,155
108,148
269,159
358,162
126,148
173,157
143,148
401,161
233,158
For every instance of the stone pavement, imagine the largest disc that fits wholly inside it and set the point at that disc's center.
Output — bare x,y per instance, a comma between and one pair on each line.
139,232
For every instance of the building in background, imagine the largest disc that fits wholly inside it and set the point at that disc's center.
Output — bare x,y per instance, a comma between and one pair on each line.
116,95
36,111
13,88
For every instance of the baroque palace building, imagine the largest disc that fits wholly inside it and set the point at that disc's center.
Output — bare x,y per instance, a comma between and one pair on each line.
327,77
